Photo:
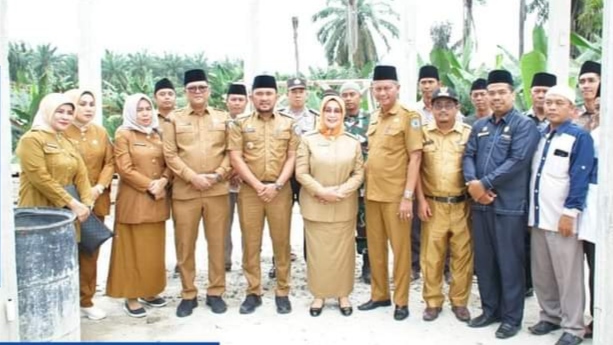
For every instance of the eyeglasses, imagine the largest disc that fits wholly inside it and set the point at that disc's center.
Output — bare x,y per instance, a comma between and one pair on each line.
197,88
446,106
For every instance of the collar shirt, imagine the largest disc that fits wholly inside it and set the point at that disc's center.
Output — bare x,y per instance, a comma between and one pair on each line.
427,117
561,169
585,119
540,124
306,119
499,154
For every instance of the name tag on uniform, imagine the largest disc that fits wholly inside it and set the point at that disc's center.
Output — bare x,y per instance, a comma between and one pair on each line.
505,136
53,146
140,144
483,134
428,142
560,153
249,130
323,143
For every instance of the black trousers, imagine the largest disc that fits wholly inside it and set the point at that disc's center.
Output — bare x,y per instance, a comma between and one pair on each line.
589,249
500,264
528,267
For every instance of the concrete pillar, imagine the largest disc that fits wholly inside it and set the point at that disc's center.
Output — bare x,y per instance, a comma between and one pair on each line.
407,68
90,52
558,54
603,308
251,63
9,320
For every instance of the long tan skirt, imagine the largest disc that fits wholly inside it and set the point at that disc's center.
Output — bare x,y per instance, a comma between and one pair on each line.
137,261
330,258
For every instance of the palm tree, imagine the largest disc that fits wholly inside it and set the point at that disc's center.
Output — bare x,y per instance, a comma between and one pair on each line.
372,18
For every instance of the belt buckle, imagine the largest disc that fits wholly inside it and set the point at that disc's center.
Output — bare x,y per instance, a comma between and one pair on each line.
449,199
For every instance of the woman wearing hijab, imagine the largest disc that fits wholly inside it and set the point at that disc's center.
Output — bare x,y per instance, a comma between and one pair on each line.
137,271
94,145
50,162
329,166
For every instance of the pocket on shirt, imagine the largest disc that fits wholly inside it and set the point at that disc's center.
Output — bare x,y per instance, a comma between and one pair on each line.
185,135
557,167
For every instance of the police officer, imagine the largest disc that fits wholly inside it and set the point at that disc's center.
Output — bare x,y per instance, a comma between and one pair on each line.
478,98
444,208
496,169
263,151
236,103
195,151
395,143
165,98
356,123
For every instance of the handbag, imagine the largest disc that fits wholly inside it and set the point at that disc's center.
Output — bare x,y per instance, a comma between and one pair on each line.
93,231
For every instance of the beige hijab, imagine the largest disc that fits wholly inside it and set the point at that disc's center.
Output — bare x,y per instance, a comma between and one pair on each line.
340,129
129,114
75,96
48,105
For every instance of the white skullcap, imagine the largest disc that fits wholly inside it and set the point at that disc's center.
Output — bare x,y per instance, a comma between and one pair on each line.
562,90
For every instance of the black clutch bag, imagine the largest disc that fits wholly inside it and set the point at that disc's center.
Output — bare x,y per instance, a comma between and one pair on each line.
93,231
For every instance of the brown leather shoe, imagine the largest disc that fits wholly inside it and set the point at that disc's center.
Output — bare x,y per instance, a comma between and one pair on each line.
430,314
461,313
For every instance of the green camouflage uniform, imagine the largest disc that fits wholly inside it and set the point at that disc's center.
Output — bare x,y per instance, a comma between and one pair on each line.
358,126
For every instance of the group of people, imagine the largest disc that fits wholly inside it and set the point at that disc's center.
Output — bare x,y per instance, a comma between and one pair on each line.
498,193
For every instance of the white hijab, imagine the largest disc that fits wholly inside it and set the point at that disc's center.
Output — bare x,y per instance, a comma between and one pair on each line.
129,114
47,107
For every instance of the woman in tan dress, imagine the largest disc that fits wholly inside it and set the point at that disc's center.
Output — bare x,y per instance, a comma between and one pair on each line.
95,147
329,166
50,162
137,270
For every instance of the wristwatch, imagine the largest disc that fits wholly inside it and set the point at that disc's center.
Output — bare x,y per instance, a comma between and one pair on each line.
408,194
217,177
278,186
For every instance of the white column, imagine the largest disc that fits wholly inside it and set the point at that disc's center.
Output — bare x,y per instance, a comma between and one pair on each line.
603,308
9,318
251,63
407,69
90,52
558,54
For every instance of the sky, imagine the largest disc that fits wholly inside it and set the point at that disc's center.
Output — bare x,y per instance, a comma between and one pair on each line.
219,27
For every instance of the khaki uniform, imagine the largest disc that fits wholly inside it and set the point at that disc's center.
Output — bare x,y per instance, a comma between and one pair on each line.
137,267
441,176
392,136
265,145
95,147
329,228
49,162
195,143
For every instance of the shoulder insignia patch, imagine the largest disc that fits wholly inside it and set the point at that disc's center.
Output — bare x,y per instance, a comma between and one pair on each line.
415,123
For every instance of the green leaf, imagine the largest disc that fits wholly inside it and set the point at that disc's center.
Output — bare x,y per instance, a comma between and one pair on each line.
539,40
531,63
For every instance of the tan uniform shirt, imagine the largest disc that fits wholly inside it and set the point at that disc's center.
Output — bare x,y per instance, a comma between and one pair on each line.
196,144
264,143
329,162
95,147
50,162
392,136
139,159
441,162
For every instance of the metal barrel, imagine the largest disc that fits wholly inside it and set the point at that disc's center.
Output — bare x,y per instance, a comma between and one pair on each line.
47,274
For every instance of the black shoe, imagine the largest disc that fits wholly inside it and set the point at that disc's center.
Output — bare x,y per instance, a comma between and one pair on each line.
370,305
283,305
529,292
186,306
157,302
482,321
543,327
569,339
251,302
401,313
506,330
365,269
415,275
272,274
589,331
137,313
345,311
217,304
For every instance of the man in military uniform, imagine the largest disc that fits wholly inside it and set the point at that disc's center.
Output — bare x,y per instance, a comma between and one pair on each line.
444,209
496,167
263,151
478,97
236,103
395,143
195,151
589,81
165,98
306,120
541,83
356,123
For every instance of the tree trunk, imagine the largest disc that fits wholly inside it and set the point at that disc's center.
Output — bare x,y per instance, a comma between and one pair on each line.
296,55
